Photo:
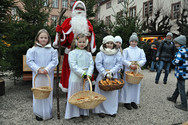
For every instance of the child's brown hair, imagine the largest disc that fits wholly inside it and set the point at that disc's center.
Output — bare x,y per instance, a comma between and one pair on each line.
39,32
104,46
73,44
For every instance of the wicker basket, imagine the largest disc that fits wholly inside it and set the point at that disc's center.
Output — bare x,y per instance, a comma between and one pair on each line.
42,92
134,79
113,86
92,101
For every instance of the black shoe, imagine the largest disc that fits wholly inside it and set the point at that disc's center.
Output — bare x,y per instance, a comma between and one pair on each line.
114,115
134,105
102,115
156,82
38,118
171,99
128,106
164,82
181,107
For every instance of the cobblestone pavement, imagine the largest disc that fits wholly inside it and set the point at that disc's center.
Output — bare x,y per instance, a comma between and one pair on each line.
154,109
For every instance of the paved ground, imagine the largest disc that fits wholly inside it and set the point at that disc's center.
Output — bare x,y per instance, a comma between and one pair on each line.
154,109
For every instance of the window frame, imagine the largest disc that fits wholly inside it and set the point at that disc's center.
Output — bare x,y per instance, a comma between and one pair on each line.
148,7
64,2
131,10
57,2
107,20
56,19
108,5
45,3
172,10
119,1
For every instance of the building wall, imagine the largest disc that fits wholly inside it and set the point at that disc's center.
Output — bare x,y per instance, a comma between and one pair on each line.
165,5
55,11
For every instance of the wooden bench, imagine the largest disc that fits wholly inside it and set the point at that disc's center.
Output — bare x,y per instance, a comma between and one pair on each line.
27,73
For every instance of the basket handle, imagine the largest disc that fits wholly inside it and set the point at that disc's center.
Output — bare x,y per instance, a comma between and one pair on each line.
136,70
90,84
46,75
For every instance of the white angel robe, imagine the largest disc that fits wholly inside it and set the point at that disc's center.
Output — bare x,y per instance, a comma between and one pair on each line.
47,57
131,92
113,63
80,61
119,72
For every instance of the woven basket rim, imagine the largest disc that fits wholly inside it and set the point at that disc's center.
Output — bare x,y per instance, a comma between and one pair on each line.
111,87
134,76
39,89
92,102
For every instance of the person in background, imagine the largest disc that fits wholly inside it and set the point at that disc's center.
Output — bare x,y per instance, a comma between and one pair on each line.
181,72
153,58
156,42
147,50
165,55
42,54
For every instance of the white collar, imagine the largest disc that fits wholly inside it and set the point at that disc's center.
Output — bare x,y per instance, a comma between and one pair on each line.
47,46
133,47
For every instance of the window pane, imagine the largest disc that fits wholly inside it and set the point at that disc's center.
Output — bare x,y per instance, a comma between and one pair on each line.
64,3
108,5
55,4
176,10
45,3
54,20
72,2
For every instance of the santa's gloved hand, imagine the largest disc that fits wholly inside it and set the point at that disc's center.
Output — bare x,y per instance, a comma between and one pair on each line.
59,29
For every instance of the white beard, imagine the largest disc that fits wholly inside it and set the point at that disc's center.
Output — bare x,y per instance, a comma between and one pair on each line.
79,23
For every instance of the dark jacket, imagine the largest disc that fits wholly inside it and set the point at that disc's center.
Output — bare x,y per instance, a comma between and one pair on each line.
153,54
166,51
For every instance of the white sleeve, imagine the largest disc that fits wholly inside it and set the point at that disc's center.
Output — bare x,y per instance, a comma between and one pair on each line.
30,60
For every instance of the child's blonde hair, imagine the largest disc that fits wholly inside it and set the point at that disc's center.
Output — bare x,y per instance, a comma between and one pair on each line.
73,44
39,32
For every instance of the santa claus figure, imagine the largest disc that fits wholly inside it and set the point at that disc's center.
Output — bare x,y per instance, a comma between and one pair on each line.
71,27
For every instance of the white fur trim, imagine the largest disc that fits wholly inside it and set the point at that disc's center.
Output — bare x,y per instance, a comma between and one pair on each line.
55,43
79,2
63,35
68,32
67,50
92,43
94,82
62,88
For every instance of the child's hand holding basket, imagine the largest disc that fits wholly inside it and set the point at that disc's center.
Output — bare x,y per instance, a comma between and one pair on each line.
134,77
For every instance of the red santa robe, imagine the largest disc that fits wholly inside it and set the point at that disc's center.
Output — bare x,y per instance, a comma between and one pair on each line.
66,41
